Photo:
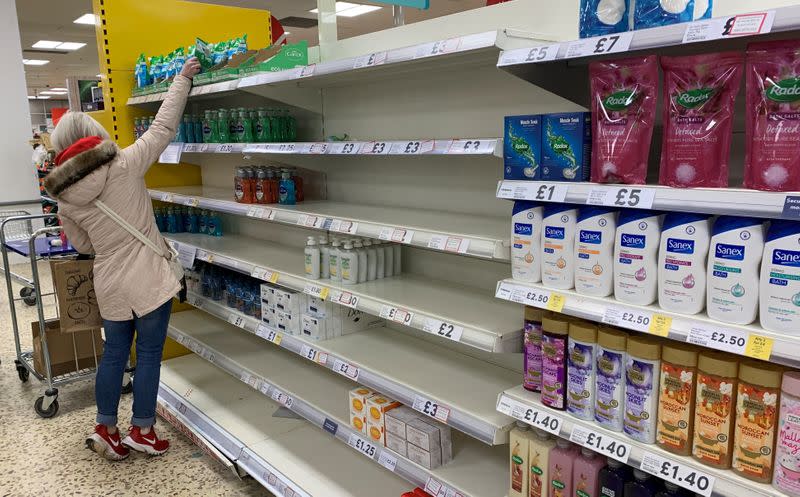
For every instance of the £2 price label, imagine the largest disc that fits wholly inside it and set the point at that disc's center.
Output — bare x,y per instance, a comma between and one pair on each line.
678,473
443,329
604,444
345,369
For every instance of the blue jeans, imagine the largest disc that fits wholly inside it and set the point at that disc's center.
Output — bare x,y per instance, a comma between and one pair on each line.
151,333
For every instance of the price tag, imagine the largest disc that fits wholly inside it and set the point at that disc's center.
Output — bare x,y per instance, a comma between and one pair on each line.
189,147
550,192
261,213
249,380
191,202
604,444
542,53
472,147
599,45
375,148
373,59
556,302
236,320
530,296
309,353
316,290
530,414
630,318
433,486
397,315
443,329
387,460
269,334
166,197
282,398
196,302
413,147
317,148
431,408
346,299
361,445
186,255
224,148
202,147
678,473
345,148
729,340
171,154
759,347
660,325
436,48
516,190
345,369
729,27
449,243
623,196
306,71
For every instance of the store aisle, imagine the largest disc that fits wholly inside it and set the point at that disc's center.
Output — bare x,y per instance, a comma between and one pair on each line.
48,456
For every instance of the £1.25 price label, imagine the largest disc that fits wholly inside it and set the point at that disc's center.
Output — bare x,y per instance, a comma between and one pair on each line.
604,444
679,473
431,408
367,448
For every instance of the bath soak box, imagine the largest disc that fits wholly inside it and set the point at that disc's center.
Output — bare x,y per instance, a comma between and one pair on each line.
566,146
522,147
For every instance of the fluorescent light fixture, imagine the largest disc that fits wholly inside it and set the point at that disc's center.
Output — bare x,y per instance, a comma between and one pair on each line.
347,9
58,89
100,76
31,97
35,62
48,92
47,44
86,19
70,45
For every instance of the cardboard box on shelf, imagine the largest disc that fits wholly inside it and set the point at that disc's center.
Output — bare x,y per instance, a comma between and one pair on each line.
426,459
397,444
397,419
77,302
424,435
377,407
358,408
313,327
66,348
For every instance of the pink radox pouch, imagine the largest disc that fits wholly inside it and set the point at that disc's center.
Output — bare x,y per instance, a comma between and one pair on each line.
772,159
699,92
624,94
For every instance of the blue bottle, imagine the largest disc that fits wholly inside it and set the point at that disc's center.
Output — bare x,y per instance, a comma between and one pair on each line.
202,222
286,192
213,224
613,477
172,221
181,137
192,221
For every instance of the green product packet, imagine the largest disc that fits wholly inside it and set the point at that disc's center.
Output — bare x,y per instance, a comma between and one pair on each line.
202,52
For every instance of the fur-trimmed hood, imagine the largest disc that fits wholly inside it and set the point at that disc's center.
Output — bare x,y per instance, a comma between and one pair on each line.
82,178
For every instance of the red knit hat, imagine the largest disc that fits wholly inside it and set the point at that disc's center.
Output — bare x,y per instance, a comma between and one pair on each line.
78,147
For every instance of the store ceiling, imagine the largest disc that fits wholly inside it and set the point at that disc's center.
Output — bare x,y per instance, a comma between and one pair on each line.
52,20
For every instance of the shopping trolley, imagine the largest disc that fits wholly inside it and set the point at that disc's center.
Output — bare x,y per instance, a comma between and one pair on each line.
37,247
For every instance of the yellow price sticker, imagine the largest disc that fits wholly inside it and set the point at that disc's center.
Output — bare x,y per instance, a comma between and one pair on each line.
277,339
556,302
660,325
274,277
323,294
758,347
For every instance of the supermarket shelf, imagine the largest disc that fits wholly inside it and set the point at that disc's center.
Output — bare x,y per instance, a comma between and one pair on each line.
525,406
408,370
424,56
412,300
479,236
750,341
477,470
709,31
731,201
278,452
408,148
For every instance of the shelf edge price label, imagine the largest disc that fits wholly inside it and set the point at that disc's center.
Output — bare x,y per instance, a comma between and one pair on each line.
309,353
345,369
622,196
533,55
264,274
397,315
727,339
556,302
413,147
443,329
346,299
316,290
680,474
630,318
282,398
759,347
530,296
191,202
224,148
345,148
474,146
375,148
367,448
371,60
550,192
602,443
532,415
269,334
600,45
660,325
236,320
166,197
387,460
431,408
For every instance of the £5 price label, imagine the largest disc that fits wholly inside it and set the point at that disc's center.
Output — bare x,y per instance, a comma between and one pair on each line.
602,443
397,315
443,329
367,448
431,408
622,196
678,473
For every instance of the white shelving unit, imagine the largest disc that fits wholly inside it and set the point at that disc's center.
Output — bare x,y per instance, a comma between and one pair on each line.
750,341
413,300
407,369
408,148
730,201
684,471
477,470
216,410
479,236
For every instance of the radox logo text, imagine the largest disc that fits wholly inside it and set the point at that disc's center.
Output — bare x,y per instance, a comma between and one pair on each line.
730,252
785,90
620,100
694,98
554,232
678,246
786,258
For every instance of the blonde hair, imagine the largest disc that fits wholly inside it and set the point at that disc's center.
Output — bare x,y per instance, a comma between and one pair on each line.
72,127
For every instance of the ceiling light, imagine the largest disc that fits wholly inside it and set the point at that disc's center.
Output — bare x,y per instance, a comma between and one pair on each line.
70,45
347,9
86,19
48,92
100,76
35,62
31,97
46,44
58,89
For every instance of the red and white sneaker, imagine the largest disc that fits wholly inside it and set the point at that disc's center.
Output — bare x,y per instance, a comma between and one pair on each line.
149,443
106,444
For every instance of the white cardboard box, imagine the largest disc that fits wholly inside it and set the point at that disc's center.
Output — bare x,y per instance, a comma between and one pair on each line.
430,460
287,322
313,327
424,435
397,444
396,420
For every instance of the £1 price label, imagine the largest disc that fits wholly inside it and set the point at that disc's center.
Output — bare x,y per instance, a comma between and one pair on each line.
236,320
367,448
443,329
551,192
309,353
678,473
373,59
604,444
431,408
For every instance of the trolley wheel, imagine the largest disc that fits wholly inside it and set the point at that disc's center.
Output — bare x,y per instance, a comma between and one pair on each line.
128,388
25,291
30,300
46,413
23,373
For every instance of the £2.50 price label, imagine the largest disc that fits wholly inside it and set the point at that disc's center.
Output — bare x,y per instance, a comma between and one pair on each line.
431,408
605,444
367,448
678,473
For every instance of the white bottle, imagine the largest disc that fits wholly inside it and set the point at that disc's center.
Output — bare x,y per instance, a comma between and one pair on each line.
325,258
349,264
780,278
312,258
398,259
335,264
380,259
388,259
372,260
526,241
682,256
594,251
636,256
362,260
737,244
558,244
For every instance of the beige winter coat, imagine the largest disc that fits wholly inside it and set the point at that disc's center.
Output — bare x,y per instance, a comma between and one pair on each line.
128,276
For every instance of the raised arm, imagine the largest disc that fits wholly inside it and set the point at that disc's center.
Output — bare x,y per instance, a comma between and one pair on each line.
76,235
146,150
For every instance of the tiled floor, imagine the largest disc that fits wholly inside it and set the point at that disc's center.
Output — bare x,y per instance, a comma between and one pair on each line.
48,457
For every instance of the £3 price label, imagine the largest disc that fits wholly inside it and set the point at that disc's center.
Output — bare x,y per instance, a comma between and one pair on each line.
474,146
604,444
367,448
678,473
375,148
431,408
345,148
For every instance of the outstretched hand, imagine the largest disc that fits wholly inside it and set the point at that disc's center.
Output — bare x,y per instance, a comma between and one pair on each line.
190,68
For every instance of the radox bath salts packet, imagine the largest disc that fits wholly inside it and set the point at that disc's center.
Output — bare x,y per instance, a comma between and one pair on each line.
602,17
566,146
652,13
772,158
699,92
624,94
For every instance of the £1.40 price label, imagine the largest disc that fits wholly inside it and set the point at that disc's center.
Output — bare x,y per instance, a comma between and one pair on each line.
605,444
316,290
367,448
530,414
431,408
678,473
